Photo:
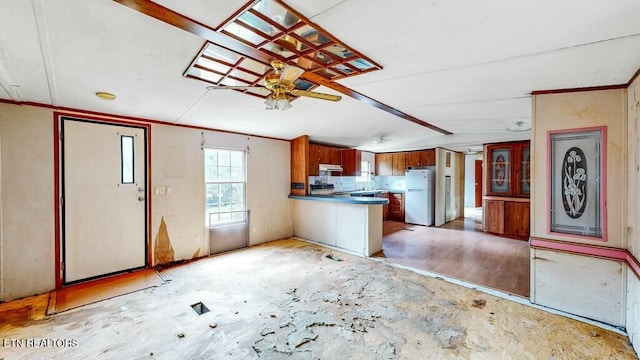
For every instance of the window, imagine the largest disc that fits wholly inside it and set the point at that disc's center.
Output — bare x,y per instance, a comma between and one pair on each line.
224,177
364,172
126,159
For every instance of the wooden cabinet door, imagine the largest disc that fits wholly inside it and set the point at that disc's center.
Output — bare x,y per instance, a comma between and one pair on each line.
494,216
396,206
413,159
385,207
428,157
351,159
314,159
324,154
516,218
336,156
384,164
399,164
522,167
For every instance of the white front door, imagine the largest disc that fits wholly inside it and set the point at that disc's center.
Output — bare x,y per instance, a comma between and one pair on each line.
104,199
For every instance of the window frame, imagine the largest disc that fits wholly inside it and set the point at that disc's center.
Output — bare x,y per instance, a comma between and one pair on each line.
243,205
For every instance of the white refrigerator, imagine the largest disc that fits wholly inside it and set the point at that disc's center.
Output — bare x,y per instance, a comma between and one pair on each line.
420,197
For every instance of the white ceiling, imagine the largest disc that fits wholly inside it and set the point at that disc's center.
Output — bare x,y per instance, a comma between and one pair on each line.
465,66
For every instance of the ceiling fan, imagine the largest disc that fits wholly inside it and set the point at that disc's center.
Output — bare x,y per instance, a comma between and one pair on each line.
281,81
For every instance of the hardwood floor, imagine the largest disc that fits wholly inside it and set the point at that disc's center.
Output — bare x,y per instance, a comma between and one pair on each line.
461,250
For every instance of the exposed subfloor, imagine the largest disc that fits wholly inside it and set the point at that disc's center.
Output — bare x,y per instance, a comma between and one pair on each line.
460,249
288,300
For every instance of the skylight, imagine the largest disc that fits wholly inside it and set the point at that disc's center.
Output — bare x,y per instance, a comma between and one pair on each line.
277,30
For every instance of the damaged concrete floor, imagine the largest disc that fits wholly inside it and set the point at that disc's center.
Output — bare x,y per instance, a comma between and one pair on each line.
287,300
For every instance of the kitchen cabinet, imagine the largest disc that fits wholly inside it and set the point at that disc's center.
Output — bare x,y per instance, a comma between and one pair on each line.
324,154
351,159
507,205
385,207
335,157
314,159
509,218
413,159
396,206
299,165
494,215
384,164
516,218
399,164
509,169
428,157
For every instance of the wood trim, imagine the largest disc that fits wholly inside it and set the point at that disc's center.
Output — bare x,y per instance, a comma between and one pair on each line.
589,250
589,88
134,120
56,201
182,22
370,101
506,198
634,77
330,35
57,118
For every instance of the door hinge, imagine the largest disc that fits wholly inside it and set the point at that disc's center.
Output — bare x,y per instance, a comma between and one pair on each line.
60,135
61,268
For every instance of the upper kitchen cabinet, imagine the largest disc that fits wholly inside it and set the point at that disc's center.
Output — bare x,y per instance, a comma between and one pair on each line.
399,164
413,159
428,157
421,158
351,159
384,164
314,159
335,156
324,153
509,168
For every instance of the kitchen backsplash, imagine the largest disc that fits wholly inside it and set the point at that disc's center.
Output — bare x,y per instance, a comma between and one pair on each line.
390,183
349,183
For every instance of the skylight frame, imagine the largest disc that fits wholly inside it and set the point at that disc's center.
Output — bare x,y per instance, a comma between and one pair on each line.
295,48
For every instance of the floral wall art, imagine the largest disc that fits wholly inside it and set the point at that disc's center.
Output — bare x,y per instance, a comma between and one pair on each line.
576,179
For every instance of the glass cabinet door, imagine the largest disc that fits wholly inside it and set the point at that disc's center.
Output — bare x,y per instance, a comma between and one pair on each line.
499,171
524,171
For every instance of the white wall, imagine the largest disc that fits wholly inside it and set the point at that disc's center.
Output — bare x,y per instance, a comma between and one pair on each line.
470,180
27,203
633,212
456,171
27,233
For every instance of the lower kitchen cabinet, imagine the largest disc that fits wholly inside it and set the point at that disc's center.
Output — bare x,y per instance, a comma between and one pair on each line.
396,206
509,218
385,207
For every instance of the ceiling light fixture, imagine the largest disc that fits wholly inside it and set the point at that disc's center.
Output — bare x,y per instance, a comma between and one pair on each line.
381,139
105,96
518,126
277,101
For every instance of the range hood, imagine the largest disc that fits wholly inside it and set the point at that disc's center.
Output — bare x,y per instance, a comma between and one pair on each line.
330,167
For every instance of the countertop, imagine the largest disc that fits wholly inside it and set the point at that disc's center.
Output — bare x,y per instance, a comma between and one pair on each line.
344,199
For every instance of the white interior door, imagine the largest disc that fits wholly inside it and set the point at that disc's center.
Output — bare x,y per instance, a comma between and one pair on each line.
104,199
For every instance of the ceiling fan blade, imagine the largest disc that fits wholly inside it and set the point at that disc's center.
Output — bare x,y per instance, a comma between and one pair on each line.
230,87
290,74
315,95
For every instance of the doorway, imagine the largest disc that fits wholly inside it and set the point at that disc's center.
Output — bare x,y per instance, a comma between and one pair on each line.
103,186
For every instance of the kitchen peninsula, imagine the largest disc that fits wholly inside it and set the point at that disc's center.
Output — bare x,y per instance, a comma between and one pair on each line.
351,223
